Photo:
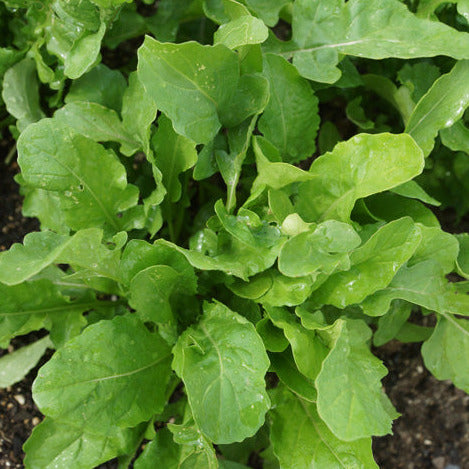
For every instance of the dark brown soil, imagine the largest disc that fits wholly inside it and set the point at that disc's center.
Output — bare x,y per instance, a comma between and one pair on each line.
433,432
18,414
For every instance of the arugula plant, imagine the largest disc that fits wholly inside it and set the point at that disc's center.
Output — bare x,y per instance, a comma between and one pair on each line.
231,216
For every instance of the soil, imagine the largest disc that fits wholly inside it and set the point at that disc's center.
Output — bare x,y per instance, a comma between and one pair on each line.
433,431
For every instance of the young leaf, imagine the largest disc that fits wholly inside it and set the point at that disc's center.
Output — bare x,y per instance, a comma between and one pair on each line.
114,373
15,365
373,265
456,137
150,295
290,120
274,289
164,451
443,352
90,180
412,190
350,397
249,99
267,10
196,447
219,358
440,107
287,371
323,249
364,165
138,112
190,83
390,324
241,32
300,438
140,255
438,246
309,351
21,94
174,154
100,85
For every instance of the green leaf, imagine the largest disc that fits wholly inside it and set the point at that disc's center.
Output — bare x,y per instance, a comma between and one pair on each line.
427,7
164,24
174,154
290,120
267,10
423,284
219,358
190,83
164,451
90,180
71,444
21,93
83,54
323,249
412,190
364,165
113,374
25,307
241,32
138,112
197,449
41,249
399,98
309,351
443,352
356,114
328,137
374,29
463,256
438,246
140,255
151,291
350,397
233,259
44,205
109,3
373,265
246,246
273,338
250,98
440,107
284,366
96,122
390,324
418,78
271,172
456,137
100,85
300,438
8,58
15,365
274,289
388,206
224,11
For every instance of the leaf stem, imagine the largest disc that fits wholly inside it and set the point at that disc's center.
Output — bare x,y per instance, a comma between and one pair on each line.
10,155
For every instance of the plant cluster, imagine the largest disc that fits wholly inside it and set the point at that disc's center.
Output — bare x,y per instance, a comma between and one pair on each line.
231,216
